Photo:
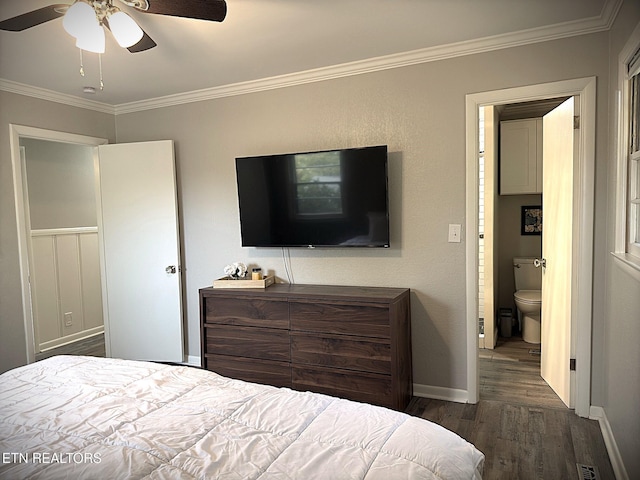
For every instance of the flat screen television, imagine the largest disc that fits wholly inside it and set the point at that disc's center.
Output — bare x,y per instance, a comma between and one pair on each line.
331,198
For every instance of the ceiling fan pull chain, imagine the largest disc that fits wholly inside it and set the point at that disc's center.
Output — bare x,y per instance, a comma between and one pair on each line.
100,63
81,64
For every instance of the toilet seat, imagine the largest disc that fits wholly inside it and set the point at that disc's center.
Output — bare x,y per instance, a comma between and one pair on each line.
529,297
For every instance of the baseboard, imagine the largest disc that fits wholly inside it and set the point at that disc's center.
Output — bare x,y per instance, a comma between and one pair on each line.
598,413
193,360
440,393
66,340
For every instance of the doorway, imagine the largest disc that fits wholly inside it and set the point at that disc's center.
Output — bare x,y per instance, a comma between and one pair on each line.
583,209
22,133
151,271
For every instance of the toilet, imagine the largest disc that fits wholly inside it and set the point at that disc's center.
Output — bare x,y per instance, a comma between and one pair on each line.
528,297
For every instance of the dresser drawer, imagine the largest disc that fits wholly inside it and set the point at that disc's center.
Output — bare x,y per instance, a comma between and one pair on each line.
361,387
250,370
349,319
341,351
243,311
263,343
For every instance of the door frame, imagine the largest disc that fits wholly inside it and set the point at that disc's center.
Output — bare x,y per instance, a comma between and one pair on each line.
16,132
582,275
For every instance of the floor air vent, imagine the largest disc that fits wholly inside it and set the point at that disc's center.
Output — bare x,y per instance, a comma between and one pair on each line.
587,472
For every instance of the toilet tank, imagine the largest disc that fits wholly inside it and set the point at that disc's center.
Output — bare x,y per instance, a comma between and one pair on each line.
527,275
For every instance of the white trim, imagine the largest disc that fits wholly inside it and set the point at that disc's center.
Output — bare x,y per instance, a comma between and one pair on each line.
630,262
50,95
620,239
574,28
425,55
63,231
586,89
193,360
440,393
472,229
19,181
598,413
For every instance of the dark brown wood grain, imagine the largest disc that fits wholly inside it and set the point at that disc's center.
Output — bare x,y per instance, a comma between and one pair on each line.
345,318
250,369
341,351
358,386
263,343
247,312
351,342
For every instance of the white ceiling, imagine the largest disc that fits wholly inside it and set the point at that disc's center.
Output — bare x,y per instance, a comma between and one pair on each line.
272,38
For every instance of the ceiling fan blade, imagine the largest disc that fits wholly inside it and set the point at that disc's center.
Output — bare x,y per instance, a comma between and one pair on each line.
145,43
33,18
213,10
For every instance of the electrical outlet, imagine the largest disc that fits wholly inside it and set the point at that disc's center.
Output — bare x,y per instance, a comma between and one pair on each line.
455,230
68,319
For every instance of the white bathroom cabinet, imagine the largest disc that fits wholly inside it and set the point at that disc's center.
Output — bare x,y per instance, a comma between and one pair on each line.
521,156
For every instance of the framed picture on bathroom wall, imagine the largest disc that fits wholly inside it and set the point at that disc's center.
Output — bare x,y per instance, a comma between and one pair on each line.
531,220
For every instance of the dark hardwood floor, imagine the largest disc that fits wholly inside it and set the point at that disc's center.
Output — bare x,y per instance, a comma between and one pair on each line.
522,427
511,373
93,346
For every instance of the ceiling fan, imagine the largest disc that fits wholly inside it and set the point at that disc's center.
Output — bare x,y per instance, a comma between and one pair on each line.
79,19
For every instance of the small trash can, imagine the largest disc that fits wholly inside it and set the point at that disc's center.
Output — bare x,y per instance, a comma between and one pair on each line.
506,322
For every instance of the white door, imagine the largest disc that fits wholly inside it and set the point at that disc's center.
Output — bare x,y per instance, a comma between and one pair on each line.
138,225
557,240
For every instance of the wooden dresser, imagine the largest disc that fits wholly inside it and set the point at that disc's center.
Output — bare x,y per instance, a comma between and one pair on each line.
350,342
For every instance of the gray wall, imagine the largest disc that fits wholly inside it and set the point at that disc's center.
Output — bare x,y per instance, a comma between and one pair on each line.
21,110
61,182
419,112
616,346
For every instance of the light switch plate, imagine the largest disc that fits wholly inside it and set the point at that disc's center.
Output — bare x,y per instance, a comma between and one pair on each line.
455,232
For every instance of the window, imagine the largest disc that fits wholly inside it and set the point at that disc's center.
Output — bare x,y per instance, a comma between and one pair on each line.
627,234
318,184
633,160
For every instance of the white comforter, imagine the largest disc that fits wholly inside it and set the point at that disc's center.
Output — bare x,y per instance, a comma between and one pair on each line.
90,418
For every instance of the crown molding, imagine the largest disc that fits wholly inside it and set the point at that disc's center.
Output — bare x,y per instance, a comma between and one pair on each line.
600,23
586,26
50,95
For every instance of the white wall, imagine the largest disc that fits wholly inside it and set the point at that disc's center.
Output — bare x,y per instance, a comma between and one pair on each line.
419,112
65,286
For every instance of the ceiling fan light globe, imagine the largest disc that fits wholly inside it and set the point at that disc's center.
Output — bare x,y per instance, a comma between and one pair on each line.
78,16
125,30
92,40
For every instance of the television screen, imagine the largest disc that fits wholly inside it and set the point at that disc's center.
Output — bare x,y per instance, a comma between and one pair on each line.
334,198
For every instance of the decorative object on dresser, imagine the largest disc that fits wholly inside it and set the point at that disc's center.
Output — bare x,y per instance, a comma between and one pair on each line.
226,282
350,342
235,271
236,277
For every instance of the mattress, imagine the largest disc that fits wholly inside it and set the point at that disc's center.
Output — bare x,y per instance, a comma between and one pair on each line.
94,418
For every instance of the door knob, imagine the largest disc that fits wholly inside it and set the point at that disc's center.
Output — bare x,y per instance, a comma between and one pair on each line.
542,262
171,269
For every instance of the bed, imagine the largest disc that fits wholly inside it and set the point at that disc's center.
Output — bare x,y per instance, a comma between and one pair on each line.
88,418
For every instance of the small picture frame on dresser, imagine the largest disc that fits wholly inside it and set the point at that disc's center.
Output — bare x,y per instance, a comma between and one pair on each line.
531,223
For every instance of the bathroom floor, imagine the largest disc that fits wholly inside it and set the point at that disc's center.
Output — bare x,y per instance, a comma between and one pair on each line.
511,373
